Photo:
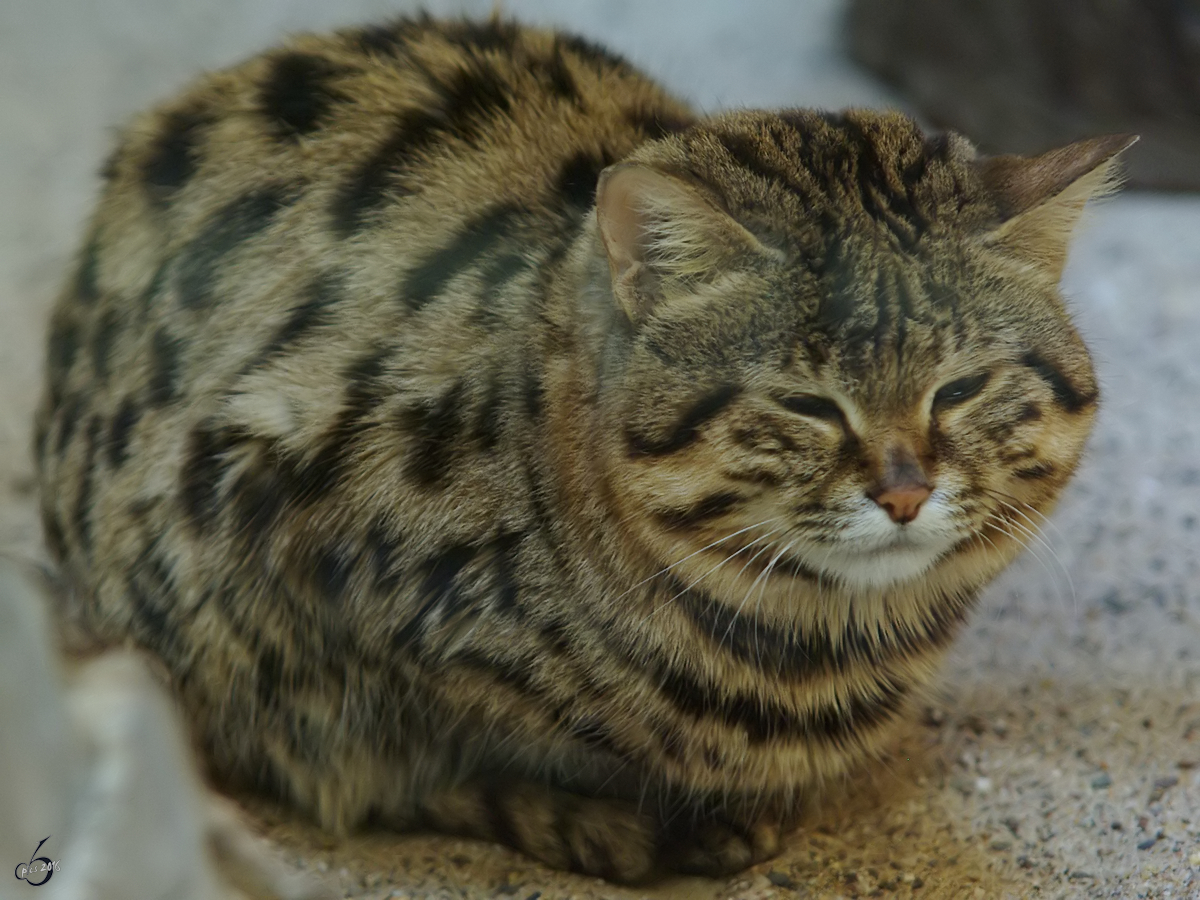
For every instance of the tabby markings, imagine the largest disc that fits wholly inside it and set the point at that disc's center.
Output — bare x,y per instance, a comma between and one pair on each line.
1065,394
687,429
297,95
799,656
432,427
106,331
199,263
324,292
429,278
164,367
711,507
83,503
467,98
120,430
61,352
174,156
87,287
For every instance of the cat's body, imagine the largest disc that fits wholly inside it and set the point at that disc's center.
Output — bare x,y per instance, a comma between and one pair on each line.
449,498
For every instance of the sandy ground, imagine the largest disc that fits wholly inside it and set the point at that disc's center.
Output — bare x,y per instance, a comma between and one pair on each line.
1060,756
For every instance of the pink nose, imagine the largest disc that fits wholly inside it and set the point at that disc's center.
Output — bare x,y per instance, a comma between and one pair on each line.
903,503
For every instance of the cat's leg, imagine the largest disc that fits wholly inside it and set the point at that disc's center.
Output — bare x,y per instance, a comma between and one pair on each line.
612,839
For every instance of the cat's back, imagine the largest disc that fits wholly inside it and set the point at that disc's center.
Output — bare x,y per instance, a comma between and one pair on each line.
338,219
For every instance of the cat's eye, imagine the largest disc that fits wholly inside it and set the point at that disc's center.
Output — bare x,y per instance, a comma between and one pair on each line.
960,390
812,406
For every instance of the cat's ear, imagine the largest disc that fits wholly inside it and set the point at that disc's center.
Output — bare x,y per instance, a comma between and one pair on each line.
660,233
1041,197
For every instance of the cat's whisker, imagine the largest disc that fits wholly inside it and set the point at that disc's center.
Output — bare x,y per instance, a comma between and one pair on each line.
664,604
761,577
1032,542
679,562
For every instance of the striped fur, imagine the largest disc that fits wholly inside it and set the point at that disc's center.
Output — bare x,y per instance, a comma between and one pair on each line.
452,496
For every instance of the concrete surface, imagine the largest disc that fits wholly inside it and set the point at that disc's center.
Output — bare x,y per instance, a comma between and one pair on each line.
1061,754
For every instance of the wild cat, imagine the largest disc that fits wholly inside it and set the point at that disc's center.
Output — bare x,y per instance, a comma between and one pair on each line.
486,442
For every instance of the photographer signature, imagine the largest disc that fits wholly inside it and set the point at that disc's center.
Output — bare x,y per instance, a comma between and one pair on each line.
38,867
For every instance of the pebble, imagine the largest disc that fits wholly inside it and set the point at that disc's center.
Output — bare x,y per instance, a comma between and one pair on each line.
1101,781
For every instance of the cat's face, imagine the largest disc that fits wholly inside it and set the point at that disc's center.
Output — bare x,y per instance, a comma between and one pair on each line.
852,407
937,416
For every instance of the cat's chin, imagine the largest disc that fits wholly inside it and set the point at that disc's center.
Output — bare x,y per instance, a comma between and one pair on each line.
880,568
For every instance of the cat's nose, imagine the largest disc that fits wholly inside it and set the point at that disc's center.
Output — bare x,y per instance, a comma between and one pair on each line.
902,503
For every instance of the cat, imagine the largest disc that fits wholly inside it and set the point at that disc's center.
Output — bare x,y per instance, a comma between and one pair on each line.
486,442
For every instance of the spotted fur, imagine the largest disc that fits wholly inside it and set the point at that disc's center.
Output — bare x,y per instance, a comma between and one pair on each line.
487,443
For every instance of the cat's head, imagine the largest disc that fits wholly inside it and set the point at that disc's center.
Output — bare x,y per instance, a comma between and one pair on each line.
839,347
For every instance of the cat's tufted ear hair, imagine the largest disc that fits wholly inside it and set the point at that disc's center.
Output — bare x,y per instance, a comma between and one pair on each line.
1041,197
660,234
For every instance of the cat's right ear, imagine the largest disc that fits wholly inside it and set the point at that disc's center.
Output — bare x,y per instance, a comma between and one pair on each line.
660,233
1041,198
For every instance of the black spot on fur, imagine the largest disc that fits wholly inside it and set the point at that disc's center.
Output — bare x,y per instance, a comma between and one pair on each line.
438,591
62,350
504,555
323,293
492,34
120,430
1065,394
687,429
656,124
370,186
711,507
432,428
494,277
487,420
428,278
595,55
1030,412
83,502
556,75
801,656
389,39
206,461
155,606
383,554
1036,471
268,675
297,94
331,573
164,367
106,331
261,491
174,155
466,100
833,722
577,179
747,154
87,287
68,419
314,478
52,530
227,229
532,389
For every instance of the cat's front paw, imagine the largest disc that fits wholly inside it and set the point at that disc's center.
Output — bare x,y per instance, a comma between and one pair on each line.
715,848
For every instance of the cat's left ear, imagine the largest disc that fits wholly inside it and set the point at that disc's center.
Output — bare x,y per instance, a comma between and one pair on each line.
660,233
1042,197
